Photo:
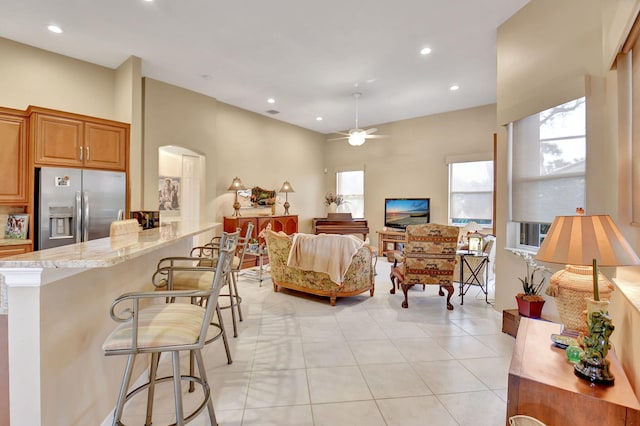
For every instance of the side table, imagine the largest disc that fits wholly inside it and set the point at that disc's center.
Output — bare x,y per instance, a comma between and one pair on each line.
473,264
259,275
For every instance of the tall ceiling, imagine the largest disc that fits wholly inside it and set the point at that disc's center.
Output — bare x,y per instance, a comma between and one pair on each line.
309,56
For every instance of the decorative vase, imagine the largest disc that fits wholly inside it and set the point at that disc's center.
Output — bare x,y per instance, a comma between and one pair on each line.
530,308
332,208
572,287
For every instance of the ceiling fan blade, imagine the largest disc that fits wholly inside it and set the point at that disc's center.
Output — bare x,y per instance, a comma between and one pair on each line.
376,136
335,139
371,130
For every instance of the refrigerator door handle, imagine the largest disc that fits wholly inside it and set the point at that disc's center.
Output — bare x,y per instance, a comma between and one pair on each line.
85,230
78,233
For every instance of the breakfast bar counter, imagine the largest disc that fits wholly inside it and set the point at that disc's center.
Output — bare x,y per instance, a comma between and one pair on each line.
58,301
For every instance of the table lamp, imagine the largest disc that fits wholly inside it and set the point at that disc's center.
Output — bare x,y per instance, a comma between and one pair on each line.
286,188
580,242
236,185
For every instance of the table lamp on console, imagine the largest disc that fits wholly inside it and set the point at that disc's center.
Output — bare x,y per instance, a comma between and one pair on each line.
286,188
581,243
236,185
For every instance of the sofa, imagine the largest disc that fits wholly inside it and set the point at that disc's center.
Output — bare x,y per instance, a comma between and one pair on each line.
359,276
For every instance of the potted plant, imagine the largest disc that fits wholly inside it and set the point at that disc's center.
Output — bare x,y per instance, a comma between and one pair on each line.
530,302
253,245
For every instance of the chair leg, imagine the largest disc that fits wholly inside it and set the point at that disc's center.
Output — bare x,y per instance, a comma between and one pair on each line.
177,388
224,335
233,312
153,370
205,386
234,277
126,379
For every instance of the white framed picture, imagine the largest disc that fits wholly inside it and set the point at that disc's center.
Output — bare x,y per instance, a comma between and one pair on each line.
17,226
169,193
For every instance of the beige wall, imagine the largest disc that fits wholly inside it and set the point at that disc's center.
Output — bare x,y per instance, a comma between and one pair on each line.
265,152
31,76
179,117
410,162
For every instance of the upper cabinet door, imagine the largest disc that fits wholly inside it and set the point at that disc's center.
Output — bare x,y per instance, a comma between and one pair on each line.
58,141
65,139
13,161
105,146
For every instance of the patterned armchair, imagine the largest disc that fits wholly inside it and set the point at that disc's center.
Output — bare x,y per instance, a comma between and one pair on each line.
429,258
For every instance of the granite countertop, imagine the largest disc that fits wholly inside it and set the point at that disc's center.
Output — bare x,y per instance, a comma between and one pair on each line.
105,252
13,242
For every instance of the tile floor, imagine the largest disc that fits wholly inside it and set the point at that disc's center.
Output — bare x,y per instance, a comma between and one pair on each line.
366,361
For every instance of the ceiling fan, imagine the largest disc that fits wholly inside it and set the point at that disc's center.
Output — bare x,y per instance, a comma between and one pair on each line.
357,136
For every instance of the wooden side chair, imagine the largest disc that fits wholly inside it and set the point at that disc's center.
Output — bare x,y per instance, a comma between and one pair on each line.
429,257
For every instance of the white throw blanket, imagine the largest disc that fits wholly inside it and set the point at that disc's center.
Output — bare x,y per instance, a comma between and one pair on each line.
331,254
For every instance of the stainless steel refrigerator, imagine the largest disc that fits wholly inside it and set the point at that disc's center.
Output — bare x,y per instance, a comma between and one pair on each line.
75,205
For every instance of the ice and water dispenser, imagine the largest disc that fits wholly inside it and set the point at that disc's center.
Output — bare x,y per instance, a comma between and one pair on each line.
61,222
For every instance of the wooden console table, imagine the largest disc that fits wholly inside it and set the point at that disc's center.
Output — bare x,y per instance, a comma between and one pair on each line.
542,384
388,242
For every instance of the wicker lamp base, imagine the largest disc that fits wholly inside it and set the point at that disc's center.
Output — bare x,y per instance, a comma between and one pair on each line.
572,287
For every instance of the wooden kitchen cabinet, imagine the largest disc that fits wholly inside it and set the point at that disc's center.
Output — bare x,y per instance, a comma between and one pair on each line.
13,161
285,223
11,250
69,140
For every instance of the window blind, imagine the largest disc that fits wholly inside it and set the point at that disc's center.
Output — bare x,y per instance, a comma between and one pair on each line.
548,163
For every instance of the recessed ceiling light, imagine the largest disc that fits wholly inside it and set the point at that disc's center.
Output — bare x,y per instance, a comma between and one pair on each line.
318,118
149,1
271,101
371,80
54,29
454,87
425,51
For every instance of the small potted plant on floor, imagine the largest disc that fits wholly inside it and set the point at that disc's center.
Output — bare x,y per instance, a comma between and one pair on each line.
530,302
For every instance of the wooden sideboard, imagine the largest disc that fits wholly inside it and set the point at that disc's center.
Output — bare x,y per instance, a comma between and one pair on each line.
388,242
542,384
285,223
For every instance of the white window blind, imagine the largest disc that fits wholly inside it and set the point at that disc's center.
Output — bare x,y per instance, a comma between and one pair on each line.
471,192
548,163
350,185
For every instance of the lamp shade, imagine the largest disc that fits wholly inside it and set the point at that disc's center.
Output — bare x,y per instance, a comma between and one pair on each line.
236,185
577,240
286,187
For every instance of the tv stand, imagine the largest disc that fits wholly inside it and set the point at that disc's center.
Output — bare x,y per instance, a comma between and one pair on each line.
388,241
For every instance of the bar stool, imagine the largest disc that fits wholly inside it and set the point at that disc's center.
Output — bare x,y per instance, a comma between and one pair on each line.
194,273
208,253
166,327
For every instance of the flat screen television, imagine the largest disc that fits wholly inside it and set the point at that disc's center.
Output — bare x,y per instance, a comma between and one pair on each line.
401,212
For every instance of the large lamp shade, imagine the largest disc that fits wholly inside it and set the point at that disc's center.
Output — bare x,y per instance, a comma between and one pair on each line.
580,242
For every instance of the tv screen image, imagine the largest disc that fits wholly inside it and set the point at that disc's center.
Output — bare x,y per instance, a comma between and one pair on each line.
401,212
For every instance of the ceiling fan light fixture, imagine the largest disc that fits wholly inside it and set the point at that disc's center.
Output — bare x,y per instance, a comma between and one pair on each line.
357,138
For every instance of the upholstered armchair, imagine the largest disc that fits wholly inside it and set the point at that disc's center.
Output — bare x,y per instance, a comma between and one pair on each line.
429,258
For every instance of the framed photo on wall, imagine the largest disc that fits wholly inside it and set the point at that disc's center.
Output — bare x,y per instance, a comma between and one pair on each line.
17,226
169,193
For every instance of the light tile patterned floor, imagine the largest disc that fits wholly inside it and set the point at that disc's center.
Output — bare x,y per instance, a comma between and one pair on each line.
299,361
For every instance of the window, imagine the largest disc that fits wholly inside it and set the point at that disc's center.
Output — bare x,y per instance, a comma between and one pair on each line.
351,186
471,193
547,168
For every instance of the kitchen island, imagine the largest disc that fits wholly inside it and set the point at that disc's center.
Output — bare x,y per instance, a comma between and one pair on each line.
58,303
